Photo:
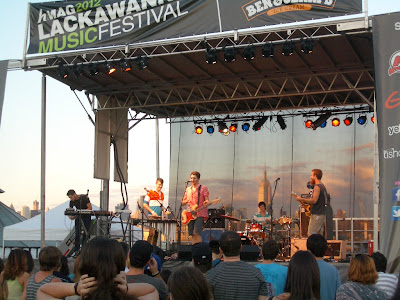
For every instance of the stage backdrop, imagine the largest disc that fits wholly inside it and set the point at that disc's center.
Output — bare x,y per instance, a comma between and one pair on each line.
386,35
233,166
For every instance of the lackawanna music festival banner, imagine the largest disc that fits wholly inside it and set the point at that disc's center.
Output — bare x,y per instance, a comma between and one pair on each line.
386,34
71,25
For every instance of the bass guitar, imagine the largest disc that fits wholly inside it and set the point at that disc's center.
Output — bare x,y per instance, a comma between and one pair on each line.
189,215
307,207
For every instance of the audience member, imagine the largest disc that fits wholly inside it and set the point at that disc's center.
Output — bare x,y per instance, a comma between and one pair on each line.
362,278
29,261
235,279
396,295
165,274
329,275
1,265
62,271
140,256
302,280
102,263
216,254
49,261
386,282
14,277
273,272
75,275
201,257
189,283
125,247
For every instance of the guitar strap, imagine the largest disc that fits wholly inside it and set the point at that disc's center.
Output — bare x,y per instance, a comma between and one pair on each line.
198,195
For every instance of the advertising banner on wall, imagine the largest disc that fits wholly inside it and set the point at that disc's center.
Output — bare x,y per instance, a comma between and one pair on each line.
386,34
72,25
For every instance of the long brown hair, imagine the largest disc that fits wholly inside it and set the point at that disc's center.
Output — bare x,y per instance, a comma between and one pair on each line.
16,265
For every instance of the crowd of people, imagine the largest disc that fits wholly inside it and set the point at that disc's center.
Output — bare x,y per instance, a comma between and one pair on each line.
108,269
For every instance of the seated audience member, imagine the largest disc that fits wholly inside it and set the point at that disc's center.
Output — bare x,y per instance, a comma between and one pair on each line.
273,272
102,263
188,283
14,278
386,282
62,271
329,275
236,279
216,254
362,278
140,256
201,257
29,261
49,261
302,280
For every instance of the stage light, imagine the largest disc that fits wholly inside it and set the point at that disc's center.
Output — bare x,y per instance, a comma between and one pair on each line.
249,52
211,56
257,125
125,65
362,120
323,118
323,125
307,46
229,54
210,129
287,48
233,127
110,67
93,69
373,119
268,49
308,123
335,122
62,71
199,130
141,62
348,121
77,70
281,122
245,126
223,128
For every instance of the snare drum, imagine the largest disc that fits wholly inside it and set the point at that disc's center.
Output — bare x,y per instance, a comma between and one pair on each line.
256,231
255,227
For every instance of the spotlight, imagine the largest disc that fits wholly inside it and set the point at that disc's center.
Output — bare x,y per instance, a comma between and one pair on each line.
308,123
307,46
62,71
281,122
323,125
233,127
141,62
362,120
210,129
249,52
125,65
268,49
77,70
287,48
93,69
348,121
110,67
245,126
320,120
211,56
223,128
229,54
257,125
199,130
373,119
335,122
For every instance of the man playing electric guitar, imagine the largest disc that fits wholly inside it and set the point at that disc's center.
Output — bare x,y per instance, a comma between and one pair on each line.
196,196
317,202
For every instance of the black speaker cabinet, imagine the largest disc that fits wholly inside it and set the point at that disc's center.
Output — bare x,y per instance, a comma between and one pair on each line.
214,219
185,252
250,253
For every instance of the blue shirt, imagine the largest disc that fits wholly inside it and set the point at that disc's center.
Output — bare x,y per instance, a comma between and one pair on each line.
330,280
276,275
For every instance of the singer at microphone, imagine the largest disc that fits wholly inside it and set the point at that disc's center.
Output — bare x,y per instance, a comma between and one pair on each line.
153,202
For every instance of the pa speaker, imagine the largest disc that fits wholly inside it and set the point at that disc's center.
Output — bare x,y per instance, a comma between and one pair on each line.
250,253
185,252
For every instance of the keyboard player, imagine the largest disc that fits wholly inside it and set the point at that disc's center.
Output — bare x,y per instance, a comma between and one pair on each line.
80,202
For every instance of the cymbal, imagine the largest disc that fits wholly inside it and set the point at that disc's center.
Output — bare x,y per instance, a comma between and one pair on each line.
229,218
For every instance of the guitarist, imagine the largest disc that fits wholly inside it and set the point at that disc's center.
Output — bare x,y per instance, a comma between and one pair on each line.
196,195
317,202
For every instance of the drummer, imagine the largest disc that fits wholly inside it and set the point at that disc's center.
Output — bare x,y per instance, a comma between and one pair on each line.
262,217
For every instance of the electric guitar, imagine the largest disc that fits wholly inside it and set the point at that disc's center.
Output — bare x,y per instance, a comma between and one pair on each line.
307,207
189,215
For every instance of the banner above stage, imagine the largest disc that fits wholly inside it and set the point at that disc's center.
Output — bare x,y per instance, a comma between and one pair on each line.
72,25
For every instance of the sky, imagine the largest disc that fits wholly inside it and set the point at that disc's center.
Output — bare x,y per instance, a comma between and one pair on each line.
70,135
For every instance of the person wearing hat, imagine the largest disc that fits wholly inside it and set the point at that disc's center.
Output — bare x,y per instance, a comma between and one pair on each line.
201,257
140,256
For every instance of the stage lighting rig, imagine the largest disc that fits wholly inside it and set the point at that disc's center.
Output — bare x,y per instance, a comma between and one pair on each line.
199,129
320,120
307,46
93,69
62,71
362,120
77,70
281,122
210,129
287,48
229,54
110,67
223,128
335,122
245,127
308,123
125,65
249,52
257,125
348,121
211,56
268,49
233,127
141,62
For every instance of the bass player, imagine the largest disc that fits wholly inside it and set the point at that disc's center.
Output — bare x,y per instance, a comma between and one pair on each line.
195,196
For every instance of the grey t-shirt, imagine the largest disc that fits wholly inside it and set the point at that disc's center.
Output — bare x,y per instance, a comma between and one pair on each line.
157,283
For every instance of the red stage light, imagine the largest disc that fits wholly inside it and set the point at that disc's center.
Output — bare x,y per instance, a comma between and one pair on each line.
335,122
373,119
233,128
348,121
308,123
199,130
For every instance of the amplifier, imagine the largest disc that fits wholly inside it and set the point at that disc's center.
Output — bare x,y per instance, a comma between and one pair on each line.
214,221
336,249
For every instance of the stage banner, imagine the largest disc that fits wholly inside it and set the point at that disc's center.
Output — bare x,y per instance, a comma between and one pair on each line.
71,25
386,34
236,14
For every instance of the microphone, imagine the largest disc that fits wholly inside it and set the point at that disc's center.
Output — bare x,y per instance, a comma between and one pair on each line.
277,179
187,181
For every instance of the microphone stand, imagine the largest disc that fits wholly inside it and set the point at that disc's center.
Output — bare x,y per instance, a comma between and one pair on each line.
142,212
271,209
179,219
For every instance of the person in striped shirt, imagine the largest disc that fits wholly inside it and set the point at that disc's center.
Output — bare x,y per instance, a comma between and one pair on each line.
386,282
